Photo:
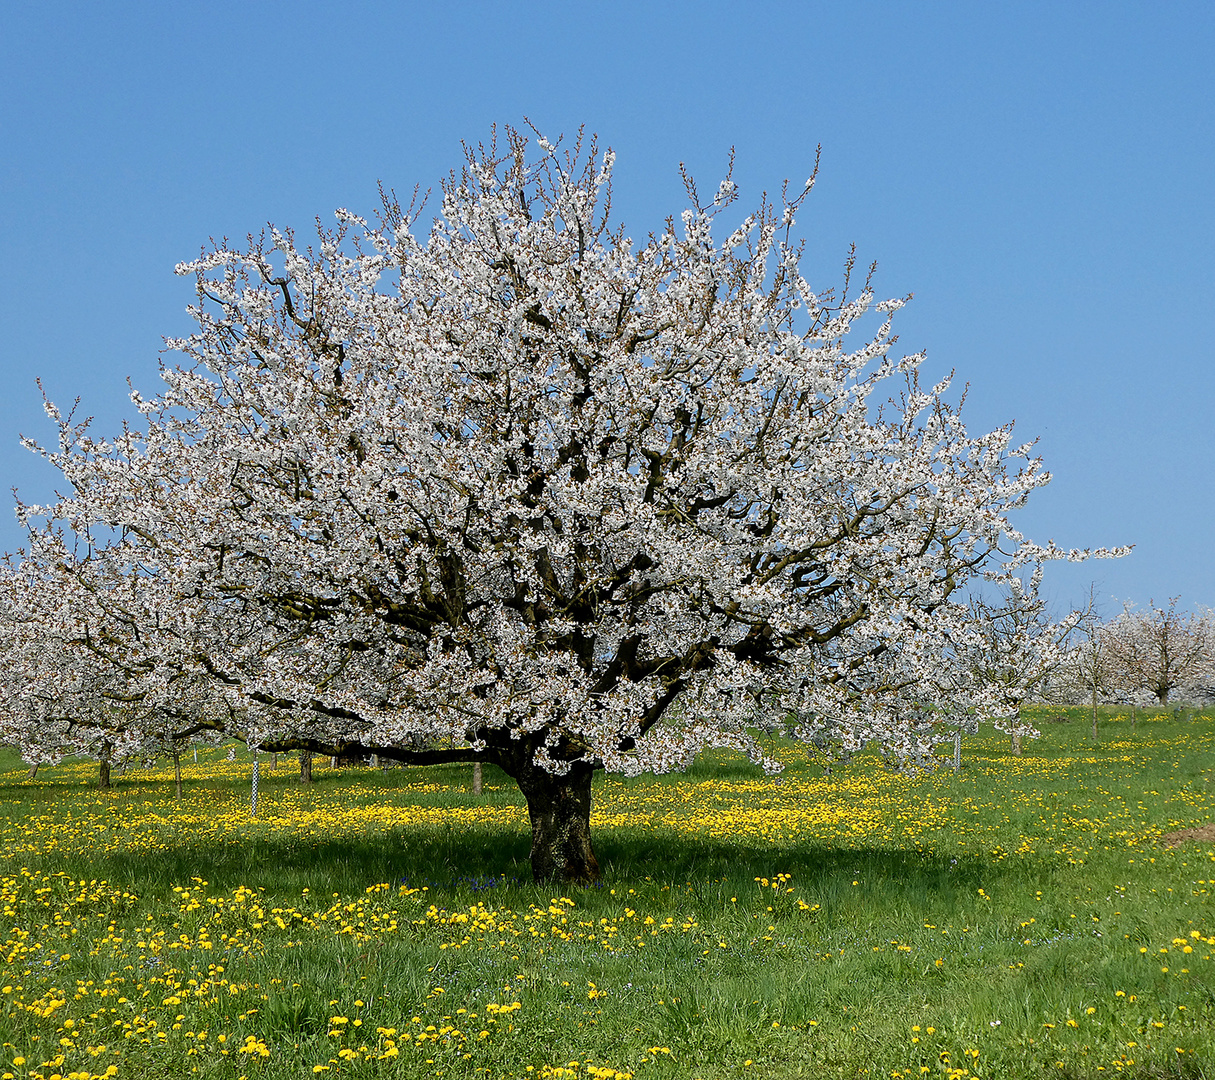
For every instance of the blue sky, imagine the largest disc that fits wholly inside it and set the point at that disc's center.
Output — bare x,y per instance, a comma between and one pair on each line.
1040,176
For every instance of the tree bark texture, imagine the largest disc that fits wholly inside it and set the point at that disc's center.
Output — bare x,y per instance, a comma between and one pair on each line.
477,781
560,811
103,775
305,766
177,774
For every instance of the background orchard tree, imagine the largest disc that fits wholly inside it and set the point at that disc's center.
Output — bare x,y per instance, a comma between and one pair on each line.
1162,649
1088,670
55,700
65,694
1014,647
519,485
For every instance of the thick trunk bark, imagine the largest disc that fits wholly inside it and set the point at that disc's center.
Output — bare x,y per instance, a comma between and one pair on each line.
560,812
477,781
1016,743
33,770
177,774
305,766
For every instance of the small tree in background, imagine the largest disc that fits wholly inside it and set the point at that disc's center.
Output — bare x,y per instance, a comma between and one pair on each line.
69,697
1162,650
1014,647
1088,670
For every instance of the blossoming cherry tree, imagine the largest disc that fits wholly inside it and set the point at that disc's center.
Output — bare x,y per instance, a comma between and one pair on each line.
521,489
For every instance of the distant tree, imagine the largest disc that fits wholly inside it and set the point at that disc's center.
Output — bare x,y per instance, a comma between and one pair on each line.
1087,671
67,696
1014,647
511,491
1162,649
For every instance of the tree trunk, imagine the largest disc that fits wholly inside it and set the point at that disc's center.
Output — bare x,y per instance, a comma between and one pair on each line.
33,770
560,812
305,766
177,774
1094,714
477,778
1016,743
103,767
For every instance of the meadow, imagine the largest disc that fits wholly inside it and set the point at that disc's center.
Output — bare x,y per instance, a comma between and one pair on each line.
1024,917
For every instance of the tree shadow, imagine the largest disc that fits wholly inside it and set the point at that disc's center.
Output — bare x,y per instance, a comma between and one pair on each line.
454,864
815,868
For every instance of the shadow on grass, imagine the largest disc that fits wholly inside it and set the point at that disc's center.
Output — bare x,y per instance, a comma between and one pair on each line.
492,864
820,872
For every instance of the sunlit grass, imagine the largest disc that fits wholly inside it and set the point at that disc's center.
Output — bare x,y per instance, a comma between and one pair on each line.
1019,918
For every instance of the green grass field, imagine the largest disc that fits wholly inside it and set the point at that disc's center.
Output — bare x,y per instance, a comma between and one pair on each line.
1021,918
